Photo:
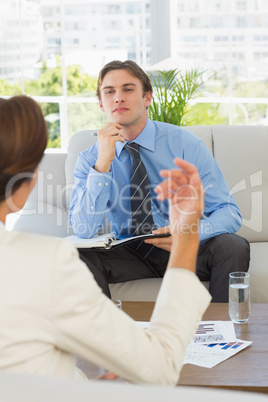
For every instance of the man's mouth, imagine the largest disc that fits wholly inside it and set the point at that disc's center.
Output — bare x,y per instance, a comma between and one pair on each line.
120,109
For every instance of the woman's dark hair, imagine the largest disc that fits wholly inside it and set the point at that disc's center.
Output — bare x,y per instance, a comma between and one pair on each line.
23,139
132,68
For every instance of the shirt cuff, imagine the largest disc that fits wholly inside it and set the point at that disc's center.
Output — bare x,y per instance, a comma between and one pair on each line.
98,182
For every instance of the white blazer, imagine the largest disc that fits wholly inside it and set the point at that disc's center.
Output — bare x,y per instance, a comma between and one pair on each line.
52,309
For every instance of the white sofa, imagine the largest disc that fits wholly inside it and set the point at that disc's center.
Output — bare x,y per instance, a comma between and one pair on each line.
241,152
21,388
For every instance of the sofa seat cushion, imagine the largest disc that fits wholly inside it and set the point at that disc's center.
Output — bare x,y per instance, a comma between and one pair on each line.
138,290
258,272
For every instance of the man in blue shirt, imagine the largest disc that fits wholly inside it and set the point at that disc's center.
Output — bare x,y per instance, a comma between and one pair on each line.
102,187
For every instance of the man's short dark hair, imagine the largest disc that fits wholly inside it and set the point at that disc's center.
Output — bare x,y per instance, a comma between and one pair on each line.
132,68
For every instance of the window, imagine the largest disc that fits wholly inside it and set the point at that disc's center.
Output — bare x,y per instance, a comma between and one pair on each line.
54,41
238,55
241,5
48,26
48,11
132,56
72,41
130,8
113,40
194,22
131,41
195,39
221,38
193,6
238,38
261,38
241,22
113,9
53,51
77,10
180,7
112,25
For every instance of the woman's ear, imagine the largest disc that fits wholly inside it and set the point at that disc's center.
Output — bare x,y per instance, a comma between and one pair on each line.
19,197
34,178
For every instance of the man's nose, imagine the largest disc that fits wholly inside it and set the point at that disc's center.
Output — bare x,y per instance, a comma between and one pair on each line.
119,98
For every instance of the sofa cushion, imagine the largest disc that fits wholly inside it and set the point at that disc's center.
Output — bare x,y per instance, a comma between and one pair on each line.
79,142
50,186
204,133
258,272
19,387
241,153
138,290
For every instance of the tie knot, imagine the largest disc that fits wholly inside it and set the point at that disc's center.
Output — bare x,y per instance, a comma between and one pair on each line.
133,149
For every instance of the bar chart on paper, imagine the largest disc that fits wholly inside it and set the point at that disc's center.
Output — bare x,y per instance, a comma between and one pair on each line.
214,342
209,355
214,332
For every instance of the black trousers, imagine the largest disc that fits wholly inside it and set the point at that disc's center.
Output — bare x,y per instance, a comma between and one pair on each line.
216,259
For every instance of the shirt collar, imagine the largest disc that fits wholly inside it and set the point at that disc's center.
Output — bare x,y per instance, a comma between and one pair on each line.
145,139
2,225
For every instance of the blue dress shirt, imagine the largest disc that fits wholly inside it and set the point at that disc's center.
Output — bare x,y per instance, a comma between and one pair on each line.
96,194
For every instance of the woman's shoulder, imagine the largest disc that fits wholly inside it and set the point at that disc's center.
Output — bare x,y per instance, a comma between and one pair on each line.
24,242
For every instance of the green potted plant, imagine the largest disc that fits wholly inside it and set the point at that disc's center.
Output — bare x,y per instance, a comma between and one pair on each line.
172,93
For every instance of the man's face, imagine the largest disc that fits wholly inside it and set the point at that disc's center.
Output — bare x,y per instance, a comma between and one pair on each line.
122,98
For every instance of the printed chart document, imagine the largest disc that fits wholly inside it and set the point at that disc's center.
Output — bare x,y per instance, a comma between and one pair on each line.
108,240
211,354
214,332
214,342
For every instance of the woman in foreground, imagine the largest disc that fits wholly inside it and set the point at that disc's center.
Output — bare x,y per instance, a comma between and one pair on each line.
51,308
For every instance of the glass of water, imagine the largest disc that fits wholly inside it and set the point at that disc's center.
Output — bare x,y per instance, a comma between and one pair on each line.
239,297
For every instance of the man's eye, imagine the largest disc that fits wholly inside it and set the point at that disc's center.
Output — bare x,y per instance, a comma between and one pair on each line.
109,92
128,89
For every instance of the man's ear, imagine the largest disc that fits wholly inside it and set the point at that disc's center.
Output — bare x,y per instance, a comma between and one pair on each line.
148,99
101,106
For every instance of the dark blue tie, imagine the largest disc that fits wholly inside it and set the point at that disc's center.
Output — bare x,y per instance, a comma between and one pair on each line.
142,219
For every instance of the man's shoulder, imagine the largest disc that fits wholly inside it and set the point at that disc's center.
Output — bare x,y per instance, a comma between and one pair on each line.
174,132
94,149
89,155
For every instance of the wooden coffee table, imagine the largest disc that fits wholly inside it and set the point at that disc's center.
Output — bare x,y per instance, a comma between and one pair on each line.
247,371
